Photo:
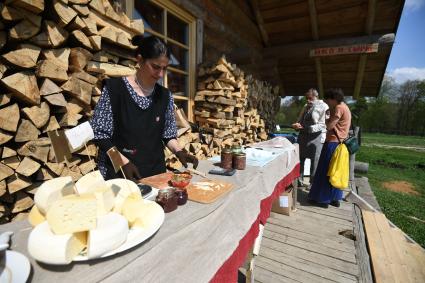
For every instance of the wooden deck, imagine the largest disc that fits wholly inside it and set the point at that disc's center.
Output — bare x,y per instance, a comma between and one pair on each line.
308,246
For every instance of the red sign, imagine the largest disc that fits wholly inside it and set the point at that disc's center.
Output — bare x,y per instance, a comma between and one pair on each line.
341,50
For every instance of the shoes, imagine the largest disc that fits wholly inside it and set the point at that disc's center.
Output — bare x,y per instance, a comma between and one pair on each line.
336,203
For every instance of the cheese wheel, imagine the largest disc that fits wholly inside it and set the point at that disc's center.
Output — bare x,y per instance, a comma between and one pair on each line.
52,190
73,214
110,233
45,246
89,182
140,213
35,217
124,188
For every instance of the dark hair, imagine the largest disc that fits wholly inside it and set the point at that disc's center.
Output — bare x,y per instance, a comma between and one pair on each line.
334,93
150,47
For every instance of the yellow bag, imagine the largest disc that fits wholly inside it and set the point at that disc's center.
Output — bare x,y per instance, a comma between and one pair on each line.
338,170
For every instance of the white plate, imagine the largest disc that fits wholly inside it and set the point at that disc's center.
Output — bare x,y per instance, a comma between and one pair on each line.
135,235
17,268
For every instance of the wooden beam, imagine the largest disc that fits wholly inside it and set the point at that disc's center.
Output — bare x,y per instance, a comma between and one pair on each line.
303,49
260,22
315,35
363,58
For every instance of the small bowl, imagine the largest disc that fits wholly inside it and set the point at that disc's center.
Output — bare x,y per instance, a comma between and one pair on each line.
180,180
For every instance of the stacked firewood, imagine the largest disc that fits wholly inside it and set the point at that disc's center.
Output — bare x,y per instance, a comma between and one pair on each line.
54,55
232,108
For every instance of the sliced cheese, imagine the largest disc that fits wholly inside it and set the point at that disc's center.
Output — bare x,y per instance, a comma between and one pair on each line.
51,191
73,214
35,217
140,214
47,247
105,200
90,182
124,188
110,233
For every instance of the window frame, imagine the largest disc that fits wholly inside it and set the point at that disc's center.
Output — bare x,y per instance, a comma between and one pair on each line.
169,7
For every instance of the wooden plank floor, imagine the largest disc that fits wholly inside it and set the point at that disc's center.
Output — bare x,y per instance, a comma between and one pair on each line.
307,246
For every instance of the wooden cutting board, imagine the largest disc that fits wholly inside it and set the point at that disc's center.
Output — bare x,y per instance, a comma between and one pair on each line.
208,191
159,181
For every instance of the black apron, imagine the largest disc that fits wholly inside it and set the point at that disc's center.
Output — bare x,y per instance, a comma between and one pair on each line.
138,132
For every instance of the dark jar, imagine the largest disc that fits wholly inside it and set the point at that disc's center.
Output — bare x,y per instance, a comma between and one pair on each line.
181,196
167,198
239,161
226,158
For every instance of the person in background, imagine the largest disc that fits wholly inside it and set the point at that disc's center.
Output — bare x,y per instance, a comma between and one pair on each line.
311,124
135,114
338,126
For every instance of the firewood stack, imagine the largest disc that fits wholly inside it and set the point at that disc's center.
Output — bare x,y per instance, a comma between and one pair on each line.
232,107
54,55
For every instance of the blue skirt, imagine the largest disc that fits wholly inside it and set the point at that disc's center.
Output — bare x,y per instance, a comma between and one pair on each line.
321,191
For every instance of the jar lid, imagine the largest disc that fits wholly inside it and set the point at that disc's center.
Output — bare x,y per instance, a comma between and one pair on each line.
241,154
167,191
226,150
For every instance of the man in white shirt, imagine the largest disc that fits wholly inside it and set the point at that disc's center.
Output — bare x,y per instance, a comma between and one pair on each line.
312,127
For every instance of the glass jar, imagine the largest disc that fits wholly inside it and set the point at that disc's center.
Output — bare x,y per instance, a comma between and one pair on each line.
167,198
239,161
181,196
226,158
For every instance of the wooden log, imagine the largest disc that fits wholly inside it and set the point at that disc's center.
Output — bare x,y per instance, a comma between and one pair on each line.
34,6
25,57
42,40
56,99
74,106
3,189
24,30
79,57
24,87
96,42
38,149
5,99
81,39
56,168
105,57
51,69
77,24
110,12
5,171
112,70
138,25
26,131
20,216
51,126
97,5
39,115
59,56
3,68
7,152
27,167
82,10
31,190
91,150
49,87
70,120
73,171
12,162
79,2
64,13
79,89
9,117
55,34
90,26
23,202
87,166
85,77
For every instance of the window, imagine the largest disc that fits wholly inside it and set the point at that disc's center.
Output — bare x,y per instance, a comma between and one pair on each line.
177,28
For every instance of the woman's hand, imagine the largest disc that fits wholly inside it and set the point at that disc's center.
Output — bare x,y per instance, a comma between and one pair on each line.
131,172
185,157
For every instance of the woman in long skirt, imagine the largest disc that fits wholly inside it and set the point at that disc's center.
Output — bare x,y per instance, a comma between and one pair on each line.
338,125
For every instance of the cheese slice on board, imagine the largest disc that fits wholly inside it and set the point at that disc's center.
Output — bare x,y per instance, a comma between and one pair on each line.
110,233
124,188
140,214
35,217
45,246
51,191
90,182
73,214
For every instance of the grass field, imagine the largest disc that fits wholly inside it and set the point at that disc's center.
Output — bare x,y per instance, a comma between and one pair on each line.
406,210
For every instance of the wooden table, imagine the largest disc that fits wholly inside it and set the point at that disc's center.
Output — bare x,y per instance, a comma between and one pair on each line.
196,243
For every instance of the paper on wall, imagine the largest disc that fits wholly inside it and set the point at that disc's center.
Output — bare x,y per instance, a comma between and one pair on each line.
79,135
283,201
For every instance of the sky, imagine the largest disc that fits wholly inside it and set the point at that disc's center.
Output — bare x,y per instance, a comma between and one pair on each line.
407,60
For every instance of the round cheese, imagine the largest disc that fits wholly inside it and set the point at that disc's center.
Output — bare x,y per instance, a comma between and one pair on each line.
35,217
47,247
90,182
51,191
123,189
110,233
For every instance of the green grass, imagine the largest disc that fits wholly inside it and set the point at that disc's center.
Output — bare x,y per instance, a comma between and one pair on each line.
393,139
391,164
